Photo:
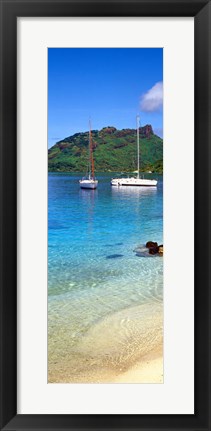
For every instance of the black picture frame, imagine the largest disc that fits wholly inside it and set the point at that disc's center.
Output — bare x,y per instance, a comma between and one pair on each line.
10,10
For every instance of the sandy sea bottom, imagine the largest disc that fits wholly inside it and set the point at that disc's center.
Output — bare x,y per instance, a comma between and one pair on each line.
125,346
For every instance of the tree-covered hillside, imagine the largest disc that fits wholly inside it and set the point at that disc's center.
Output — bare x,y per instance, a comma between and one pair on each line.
114,150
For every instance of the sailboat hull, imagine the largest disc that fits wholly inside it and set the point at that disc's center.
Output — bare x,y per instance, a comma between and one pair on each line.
134,182
88,184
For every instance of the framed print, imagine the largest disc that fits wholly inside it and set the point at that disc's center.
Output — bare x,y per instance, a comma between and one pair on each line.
123,296
105,134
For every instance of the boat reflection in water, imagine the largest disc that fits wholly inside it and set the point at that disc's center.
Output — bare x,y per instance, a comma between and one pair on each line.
134,191
88,200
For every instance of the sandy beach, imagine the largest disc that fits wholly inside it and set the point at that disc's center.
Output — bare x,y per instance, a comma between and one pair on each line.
125,347
149,370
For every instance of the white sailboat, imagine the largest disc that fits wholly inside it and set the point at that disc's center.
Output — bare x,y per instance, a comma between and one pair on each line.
89,182
132,181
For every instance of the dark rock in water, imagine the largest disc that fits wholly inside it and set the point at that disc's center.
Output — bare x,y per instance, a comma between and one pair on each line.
160,249
153,250
113,256
150,244
150,249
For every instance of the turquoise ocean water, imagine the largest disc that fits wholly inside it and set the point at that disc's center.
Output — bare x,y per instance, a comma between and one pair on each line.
94,273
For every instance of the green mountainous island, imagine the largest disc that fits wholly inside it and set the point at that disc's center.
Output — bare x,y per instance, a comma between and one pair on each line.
114,150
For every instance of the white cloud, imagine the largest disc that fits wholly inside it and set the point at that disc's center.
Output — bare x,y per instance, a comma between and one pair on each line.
152,100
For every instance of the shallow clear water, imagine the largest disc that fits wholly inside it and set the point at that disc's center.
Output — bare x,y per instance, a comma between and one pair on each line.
93,271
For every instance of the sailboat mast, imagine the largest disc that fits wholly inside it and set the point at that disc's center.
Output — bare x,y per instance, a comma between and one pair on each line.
137,127
91,151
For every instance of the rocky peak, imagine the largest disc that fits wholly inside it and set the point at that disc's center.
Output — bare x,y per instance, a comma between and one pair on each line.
108,130
146,131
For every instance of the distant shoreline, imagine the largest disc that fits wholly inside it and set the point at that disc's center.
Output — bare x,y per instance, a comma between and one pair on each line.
104,172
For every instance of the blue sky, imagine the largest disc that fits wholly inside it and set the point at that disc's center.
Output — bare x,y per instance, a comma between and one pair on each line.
110,86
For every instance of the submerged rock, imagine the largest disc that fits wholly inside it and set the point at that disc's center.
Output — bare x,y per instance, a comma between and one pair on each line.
114,256
140,248
142,251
